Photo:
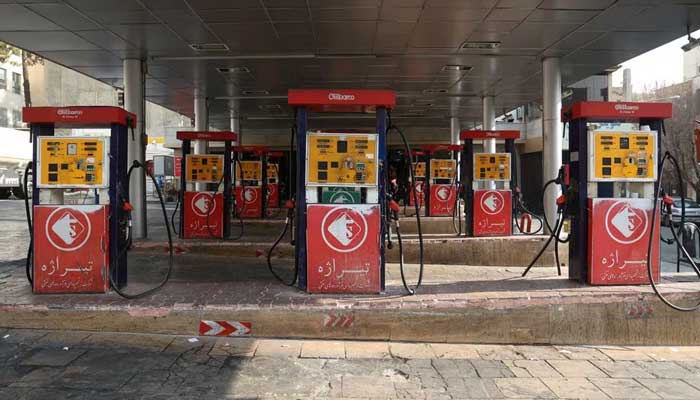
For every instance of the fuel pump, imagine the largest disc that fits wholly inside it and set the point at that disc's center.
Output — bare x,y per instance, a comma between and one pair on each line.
77,247
251,190
205,213
614,158
441,179
488,208
417,185
348,237
272,183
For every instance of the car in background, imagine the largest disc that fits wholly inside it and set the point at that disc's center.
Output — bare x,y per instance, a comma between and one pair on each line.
692,211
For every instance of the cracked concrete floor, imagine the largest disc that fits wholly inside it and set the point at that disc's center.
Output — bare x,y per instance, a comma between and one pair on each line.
83,365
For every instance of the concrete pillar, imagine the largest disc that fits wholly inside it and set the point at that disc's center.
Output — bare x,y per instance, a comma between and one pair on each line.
235,122
454,139
627,84
201,123
552,132
134,101
489,124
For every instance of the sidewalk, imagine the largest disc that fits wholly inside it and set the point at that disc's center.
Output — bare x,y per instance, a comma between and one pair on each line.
81,365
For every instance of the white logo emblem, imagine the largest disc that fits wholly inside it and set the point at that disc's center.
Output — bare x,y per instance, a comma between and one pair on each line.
341,97
344,229
626,224
67,229
492,202
444,193
341,197
203,204
250,195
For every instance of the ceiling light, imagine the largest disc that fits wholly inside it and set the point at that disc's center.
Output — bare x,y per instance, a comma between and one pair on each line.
481,45
435,91
270,107
209,46
454,67
233,70
254,92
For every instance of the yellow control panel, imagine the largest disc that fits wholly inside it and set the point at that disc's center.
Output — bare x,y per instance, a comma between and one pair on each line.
272,171
442,169
622,156
341,159
73,162
492,166
204,168
419,169
250,170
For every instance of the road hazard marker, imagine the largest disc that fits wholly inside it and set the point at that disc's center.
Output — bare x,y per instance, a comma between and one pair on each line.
338,321
224,328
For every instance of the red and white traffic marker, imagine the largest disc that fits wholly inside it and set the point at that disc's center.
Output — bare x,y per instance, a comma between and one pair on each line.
338,321
225,328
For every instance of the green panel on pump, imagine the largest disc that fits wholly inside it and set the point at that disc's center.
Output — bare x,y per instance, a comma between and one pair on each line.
340,195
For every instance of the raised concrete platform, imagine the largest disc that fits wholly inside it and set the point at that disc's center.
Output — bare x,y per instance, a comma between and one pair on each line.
456,304
438,249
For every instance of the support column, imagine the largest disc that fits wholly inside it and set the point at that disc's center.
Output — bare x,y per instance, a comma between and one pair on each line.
201,123
454,139
552,129
235,123
134,102
489,124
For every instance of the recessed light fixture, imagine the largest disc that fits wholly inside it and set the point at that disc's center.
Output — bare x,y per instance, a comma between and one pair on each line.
233,70
455,67
255,92
481,45
270,107
435,91
209,46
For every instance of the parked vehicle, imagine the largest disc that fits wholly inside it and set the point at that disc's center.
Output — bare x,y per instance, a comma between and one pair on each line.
692,212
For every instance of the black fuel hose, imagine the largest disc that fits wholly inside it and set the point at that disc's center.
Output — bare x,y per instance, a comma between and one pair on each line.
411,170
28,211
213,200
239,214
122,253
650,274
287,222
172,216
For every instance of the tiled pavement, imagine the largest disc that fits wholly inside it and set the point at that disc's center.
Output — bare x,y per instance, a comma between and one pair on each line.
82,365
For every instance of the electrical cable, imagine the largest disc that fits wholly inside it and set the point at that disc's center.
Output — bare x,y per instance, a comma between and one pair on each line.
27,210
411,170
122,253
658,191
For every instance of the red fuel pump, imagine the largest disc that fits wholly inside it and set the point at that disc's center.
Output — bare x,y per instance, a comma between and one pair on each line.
488,207
441,178
251,189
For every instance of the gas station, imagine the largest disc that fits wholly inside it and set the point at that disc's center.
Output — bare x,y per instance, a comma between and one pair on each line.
358,174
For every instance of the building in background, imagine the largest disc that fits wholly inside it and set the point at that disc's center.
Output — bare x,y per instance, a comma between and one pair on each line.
11,96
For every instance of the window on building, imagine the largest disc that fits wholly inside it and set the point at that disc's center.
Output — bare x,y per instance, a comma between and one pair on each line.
3,117
3,78
16,83
16,118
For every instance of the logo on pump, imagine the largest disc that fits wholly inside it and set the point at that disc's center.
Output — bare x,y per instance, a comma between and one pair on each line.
341,197
626,107
492,202
250,195
67,229
68,113
344,229
203,204
444,193
626,224
341,97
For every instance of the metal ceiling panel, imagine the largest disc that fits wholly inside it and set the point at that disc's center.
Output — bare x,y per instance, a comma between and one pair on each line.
562,16
537,35
345,14
353,35
509,14
576,4
441,34
82,58
392,35
17,18
233,15
289,14
68,18
410,14
433,14
627,41
105,40
149,36
47,41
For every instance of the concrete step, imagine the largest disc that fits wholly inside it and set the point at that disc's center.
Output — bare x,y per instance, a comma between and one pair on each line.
456,304
438,249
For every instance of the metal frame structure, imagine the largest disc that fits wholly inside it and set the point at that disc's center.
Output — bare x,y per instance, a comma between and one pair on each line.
337,101
578,116
220,136
43,121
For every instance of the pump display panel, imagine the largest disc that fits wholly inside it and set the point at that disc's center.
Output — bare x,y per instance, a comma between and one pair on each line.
250,171
70,162
204,168
492,166
442,169
272,170
622,156
419,169
339,159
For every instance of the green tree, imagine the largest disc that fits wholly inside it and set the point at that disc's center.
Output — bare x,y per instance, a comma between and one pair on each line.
28,60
